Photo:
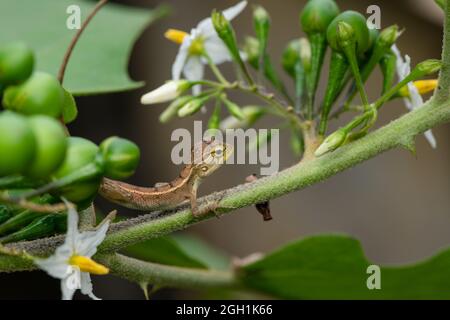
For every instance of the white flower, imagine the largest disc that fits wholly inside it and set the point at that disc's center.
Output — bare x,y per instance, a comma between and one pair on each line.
167,92
72,262
414,100
202,39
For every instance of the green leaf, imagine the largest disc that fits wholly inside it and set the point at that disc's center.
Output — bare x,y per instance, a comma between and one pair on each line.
166,251
202,251
99,61
334,267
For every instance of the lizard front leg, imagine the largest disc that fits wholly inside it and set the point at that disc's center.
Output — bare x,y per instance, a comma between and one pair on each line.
209,206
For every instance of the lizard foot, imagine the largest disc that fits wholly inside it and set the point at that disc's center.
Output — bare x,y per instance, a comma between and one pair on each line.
210,206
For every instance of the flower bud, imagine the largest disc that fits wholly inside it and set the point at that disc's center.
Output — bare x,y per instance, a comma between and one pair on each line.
428,67
167,92
291,55
317,15
192,106
226,32
389,36
261,21
120,157
332,142
172,110
345,34
251,49
305,53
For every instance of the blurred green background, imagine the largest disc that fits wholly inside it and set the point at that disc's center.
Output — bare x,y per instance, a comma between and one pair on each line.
396,205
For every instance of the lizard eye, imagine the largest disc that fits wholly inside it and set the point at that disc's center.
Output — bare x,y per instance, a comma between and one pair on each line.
217,152
204,168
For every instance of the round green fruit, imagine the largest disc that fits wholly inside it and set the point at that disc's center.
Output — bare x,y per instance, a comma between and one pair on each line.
120,157
317,15
40,94
359,25
51,146
16,63
80,153
17,143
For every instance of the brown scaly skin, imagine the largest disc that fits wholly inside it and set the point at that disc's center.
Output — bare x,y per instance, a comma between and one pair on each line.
169,195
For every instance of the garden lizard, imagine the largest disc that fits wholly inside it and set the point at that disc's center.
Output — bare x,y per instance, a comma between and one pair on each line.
206,158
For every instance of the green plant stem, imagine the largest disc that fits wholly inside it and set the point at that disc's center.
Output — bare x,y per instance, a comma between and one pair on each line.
169,276
215,70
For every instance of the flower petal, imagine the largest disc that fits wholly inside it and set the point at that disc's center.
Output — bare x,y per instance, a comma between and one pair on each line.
70,284
206,25
67,294
194,71
72,226
181,58
88,241
414,100
86,286
217,50
56,265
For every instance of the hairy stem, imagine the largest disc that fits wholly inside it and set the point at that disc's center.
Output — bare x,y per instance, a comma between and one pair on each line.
146,272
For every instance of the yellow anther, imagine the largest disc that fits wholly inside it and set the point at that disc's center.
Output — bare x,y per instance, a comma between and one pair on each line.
423,86
88,265
175,35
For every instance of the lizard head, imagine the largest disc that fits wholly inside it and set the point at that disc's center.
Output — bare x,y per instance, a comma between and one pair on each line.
209,156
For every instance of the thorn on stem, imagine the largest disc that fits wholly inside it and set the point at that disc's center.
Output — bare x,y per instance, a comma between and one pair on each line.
263,207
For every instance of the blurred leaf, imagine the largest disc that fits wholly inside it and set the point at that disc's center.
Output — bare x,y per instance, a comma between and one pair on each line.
202,251
99,62
334,267
164,250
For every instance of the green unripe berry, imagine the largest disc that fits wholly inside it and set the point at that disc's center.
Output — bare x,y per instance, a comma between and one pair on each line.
51,146
40,94
120,157
80,153
17,143
317,15
16,63
359,25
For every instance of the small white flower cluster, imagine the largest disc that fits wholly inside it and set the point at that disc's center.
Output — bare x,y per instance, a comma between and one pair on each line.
196,47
